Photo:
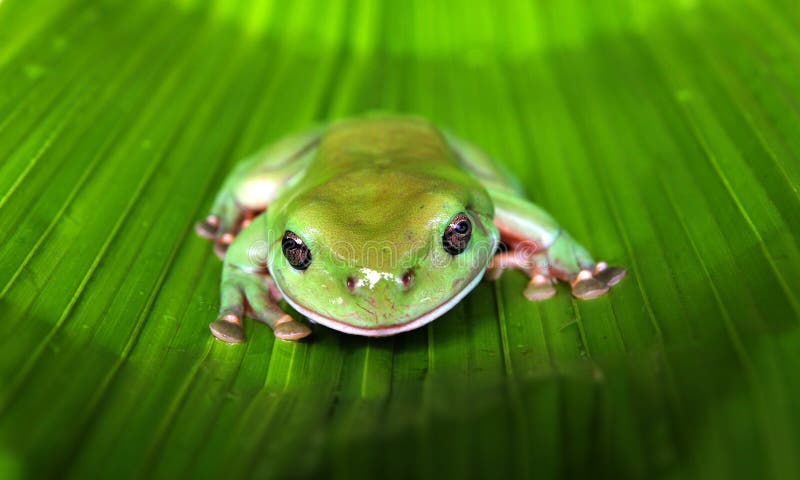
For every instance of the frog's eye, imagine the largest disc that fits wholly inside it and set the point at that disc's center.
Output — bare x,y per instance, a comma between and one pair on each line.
295,251
457,234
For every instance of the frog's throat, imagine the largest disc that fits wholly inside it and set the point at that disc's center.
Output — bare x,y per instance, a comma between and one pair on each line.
390,329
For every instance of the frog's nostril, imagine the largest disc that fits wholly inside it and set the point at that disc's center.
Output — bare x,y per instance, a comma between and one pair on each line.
351,283
407,278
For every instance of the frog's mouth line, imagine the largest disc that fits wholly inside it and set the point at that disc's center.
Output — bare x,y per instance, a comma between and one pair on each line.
385,331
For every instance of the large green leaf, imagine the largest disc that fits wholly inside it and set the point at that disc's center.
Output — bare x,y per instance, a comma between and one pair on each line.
664,135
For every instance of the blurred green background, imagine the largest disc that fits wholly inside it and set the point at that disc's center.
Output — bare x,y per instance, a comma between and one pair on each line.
664,135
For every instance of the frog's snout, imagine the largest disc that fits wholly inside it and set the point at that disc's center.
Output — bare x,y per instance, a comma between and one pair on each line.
364,280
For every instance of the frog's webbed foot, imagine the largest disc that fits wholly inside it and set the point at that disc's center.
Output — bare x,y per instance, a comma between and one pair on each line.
540,287
287,328
564,260
609,275
593,282
207,228
227,219
228,328
586,286
252,294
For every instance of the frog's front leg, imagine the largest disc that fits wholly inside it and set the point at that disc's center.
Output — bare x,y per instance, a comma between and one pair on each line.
538,246
247,289
535,265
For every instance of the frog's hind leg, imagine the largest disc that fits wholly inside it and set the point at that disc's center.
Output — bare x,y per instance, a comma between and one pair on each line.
253,185
570,262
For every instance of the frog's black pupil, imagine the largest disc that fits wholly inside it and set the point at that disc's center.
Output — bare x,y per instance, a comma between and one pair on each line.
296,252
461,227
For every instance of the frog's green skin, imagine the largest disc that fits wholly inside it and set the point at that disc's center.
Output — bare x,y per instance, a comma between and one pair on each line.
371,199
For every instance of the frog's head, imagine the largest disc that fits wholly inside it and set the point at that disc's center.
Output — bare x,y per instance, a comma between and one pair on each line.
378,258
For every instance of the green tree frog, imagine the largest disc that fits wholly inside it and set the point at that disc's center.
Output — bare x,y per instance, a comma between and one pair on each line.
378,225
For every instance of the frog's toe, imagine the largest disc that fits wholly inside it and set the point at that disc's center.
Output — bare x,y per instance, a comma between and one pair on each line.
539,292
228,328
585,286
539,288
287,328
609,275
222,242
208,227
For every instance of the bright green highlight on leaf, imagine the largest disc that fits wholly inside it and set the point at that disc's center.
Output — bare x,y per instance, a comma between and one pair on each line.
665,136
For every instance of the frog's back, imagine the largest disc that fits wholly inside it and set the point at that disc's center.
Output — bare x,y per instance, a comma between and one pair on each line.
405,143
384,141
383,163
